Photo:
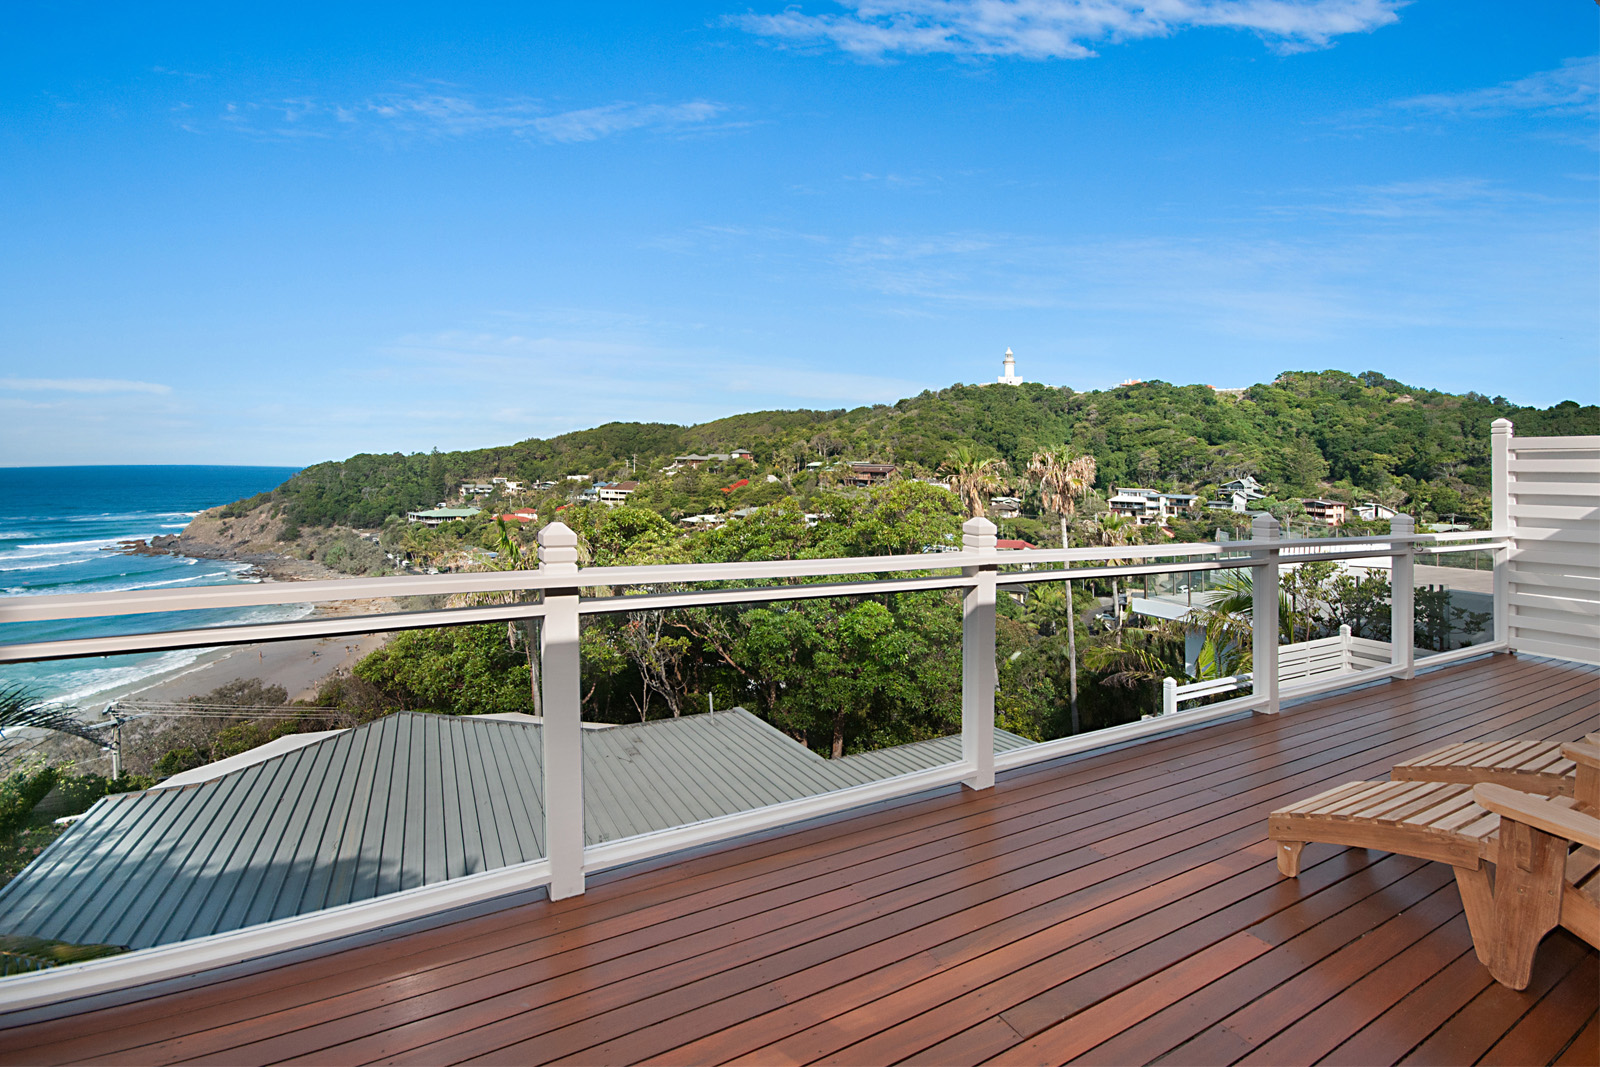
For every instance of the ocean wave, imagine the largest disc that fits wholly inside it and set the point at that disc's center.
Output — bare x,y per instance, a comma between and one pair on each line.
121,516
45,566
86,683
122,582
70,546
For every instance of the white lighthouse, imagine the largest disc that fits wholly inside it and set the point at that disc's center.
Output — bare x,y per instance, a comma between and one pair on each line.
1010,375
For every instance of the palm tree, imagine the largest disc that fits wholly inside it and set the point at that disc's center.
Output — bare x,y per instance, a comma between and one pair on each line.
1228,618
20,706
973,479
1064,477
1114,531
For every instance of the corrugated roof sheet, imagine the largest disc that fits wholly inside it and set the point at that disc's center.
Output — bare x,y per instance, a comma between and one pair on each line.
408,800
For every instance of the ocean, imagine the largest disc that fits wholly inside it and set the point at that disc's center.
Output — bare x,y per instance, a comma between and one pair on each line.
59,528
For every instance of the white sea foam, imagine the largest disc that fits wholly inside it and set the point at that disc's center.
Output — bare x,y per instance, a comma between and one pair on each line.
78,546
42,566
100,679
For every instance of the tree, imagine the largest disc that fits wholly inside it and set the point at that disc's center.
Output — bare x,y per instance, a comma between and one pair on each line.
436,487
856,673
20,707
510,557
973,479
1064,476
1114,531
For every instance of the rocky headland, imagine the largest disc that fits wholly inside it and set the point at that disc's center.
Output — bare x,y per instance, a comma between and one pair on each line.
252,538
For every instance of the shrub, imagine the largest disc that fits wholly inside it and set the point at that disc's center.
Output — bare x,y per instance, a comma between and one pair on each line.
236,739
240,508
19,792
178,760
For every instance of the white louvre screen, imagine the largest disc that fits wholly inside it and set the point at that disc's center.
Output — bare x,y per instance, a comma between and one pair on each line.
1552,515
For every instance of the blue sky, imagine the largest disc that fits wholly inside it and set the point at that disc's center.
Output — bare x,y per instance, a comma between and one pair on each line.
301,233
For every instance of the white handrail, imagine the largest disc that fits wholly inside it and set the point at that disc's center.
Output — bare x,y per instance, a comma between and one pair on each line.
136,602
976,569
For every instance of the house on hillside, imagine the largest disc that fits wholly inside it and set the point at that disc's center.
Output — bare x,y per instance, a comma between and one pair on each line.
1005,507
1238,495
1149,506
1327,512
1372,511
696,460
616,493
435,516
865,474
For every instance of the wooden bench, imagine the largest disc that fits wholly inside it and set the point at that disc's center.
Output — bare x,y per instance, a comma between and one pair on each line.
1540,880
1529,766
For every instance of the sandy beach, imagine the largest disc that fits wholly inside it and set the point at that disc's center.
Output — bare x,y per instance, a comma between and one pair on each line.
299,666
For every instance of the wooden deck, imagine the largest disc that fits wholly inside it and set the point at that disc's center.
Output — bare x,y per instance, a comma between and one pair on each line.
1117,907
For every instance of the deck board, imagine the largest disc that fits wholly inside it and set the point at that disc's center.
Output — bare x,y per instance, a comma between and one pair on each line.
1120,906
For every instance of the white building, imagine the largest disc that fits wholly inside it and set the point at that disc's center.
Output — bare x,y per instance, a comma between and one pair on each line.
1372,511
618,493
1010,375
1238,495
1146,506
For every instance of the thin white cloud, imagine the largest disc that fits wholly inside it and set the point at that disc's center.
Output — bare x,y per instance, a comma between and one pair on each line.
1458,198
1570,89
1060,29
626,373
591,124
443,113
82,385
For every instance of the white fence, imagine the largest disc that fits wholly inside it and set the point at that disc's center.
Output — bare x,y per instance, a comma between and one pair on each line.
1301,662
1547,504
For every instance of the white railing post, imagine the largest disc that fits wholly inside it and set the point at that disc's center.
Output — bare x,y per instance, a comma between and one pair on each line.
1403,598
1500,492
978,673
563,715
1347,655
1169,696
1264,615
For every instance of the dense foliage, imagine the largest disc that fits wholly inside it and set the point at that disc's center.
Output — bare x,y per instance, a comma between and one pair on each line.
847,674
1304,433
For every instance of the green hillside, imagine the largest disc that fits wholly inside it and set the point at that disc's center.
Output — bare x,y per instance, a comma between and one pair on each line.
1327,433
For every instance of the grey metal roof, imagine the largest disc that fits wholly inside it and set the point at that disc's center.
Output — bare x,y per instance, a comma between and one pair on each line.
409,800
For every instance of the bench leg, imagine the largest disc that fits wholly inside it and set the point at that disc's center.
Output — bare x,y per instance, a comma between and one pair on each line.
1289,858
1527,899
1477,899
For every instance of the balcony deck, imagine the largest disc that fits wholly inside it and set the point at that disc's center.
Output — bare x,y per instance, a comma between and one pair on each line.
1115,907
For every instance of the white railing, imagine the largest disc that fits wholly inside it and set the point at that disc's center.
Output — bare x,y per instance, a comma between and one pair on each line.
570,592
1341,654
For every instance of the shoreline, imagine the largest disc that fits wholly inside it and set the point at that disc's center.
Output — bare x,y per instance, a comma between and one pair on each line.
300,665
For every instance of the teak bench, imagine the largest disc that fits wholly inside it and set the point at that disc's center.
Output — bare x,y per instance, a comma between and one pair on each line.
1531,766
1540,881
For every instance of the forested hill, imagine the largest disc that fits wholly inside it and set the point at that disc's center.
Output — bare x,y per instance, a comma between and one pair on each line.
1306,433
